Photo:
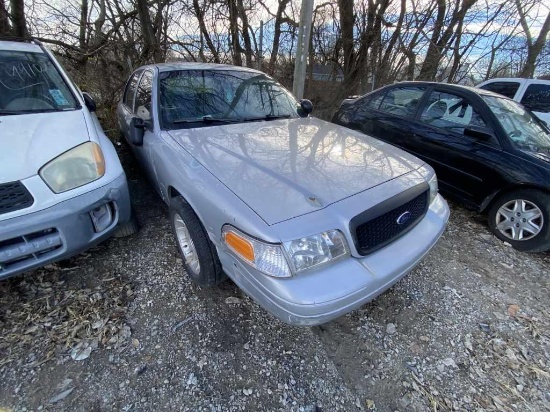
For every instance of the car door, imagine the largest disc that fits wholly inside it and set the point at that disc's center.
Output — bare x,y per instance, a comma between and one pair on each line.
387,115
453,134
143,109
126,107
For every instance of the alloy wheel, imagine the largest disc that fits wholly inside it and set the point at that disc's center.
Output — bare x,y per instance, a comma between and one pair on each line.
186,245
519,219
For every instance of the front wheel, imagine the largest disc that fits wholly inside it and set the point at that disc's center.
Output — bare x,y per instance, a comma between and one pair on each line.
522,219
199,254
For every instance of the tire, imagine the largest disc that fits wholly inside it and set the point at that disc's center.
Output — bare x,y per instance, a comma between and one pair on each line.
197,251
522,218
131,227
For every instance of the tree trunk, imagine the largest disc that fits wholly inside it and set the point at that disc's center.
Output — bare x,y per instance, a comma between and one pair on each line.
19,24
149,40
429,67
248,52
277,34
347,21
534,48
234,33
5,28
202,26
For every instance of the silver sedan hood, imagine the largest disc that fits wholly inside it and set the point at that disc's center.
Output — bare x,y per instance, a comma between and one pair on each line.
287,168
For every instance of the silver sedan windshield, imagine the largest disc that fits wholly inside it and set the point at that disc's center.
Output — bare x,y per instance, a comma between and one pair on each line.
520,125
195,97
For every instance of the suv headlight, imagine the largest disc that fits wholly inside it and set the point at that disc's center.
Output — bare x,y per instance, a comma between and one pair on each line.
76,167
292,257
429,174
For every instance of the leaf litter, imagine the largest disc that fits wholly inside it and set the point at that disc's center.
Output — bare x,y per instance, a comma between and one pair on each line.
50,315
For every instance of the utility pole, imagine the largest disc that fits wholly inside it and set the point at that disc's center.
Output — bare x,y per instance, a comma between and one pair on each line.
261,51
304,33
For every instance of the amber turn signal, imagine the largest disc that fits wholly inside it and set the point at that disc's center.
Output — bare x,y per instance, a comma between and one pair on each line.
240,245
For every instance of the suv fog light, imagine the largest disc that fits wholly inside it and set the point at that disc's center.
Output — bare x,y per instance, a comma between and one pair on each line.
102,217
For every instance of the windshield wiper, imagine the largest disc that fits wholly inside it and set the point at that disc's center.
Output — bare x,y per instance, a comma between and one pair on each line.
206,119
5,112
210,119
267,117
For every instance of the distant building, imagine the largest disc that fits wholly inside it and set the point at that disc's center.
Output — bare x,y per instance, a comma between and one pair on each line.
327,72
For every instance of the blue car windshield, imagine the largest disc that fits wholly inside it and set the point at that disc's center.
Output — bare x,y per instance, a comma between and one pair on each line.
194,98
524,130
30,83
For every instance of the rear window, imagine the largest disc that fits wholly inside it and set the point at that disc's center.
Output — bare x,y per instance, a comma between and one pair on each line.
537,98
30,83
402,101
507,89
131,88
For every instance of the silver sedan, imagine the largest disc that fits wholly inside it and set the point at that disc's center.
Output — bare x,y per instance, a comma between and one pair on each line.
310,219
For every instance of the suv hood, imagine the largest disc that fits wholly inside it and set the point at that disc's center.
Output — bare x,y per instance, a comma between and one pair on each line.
287,168
29,141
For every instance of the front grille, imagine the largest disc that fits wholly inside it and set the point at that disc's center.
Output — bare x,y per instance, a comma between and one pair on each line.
14,196
24,251
381,229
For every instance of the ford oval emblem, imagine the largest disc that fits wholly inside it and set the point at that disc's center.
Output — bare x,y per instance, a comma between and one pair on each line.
403,218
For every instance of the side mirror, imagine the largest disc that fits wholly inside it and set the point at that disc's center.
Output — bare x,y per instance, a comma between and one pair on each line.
89,102
137,129
477,134
143,113
306,106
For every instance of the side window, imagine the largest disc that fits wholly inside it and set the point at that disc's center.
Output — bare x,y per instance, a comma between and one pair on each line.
507,89
537,98
143,96
402,101
130,91
450,111
374,102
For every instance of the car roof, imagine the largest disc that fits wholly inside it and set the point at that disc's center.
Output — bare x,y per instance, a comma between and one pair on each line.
17,45
166,67
449,86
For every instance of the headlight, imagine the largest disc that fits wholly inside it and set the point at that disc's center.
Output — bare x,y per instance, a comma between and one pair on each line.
266,257
304,253
312,251
429,174
79,166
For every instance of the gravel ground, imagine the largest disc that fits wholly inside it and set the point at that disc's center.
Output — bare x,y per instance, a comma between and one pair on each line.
122,328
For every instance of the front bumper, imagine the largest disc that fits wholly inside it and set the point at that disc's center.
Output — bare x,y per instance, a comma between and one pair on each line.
63,230
321,295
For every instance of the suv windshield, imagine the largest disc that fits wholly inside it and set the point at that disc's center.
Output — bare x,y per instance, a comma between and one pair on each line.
523,128
30,83
191,98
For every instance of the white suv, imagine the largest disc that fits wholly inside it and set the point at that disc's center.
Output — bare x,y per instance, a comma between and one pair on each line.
62,188
532,93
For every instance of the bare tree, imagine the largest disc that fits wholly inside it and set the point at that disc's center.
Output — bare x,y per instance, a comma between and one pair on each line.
534,46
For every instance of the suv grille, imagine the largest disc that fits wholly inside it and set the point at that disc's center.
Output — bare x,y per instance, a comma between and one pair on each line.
23,251
14,196
380,230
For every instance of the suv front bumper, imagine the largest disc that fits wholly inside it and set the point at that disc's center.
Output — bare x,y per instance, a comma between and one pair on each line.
63,230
